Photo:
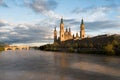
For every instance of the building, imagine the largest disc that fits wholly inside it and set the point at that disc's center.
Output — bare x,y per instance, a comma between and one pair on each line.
67,34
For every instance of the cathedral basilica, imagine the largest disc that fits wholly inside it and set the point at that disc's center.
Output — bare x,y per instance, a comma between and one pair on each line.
67,34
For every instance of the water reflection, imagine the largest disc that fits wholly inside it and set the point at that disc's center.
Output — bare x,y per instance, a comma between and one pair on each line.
39,65
62,63
97,68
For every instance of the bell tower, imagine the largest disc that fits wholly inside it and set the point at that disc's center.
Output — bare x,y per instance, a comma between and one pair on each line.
82,30
61,30
55,35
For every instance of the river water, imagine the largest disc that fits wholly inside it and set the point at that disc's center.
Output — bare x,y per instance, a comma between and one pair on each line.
41,65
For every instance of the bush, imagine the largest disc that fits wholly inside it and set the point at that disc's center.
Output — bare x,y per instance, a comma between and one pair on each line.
90,45
71,49
75,45
1,48
109,49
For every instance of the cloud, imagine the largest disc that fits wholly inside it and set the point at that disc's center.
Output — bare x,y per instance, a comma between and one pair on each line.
118,16
45,7
97,13
94,28
26,33
3,4
96,21
43,33
102,25
3,23
92,9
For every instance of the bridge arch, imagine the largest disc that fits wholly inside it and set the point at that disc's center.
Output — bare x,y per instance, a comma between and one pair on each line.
16,48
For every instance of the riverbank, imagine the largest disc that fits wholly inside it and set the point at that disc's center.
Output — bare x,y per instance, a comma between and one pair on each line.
104,44
1,49
83,51
2,45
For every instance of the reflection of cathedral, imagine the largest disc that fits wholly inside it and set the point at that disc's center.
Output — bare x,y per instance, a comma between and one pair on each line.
67,35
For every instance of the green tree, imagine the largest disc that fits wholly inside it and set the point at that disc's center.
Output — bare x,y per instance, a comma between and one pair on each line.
75,45
71,49
68,45
85,45
115,42
91,45
109,48
1,48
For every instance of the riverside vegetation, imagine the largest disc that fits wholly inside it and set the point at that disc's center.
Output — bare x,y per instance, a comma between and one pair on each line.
103,44
2,45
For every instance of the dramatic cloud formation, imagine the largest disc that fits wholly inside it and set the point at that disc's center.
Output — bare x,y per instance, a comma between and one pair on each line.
95,13
44,7
42,33
25,33
33,21
102,27
2,23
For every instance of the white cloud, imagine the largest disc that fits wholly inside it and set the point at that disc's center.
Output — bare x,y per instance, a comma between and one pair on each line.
93,13
36,33
26,33
4,31
52,14
14,33
118,16
28,44
44,7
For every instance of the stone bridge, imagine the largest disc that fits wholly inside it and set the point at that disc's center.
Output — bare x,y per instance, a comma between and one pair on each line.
16,48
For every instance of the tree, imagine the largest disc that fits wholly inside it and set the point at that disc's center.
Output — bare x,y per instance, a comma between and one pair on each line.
71,49
91,45
68,45
56,44
85,45
109,48
75,45
115,42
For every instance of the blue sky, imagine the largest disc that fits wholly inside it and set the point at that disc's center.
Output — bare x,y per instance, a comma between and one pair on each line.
32,21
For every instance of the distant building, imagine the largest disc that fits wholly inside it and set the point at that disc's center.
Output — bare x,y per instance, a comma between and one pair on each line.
67,35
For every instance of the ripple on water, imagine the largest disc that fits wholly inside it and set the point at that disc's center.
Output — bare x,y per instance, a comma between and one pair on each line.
40,65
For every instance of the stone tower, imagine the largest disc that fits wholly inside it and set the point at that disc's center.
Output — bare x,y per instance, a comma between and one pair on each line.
82,30
61,30
69,31
55,35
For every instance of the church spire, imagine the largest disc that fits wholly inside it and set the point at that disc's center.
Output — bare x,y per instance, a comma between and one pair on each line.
61,20
69,30
66,30
55,35
82,30
82,22
55,28
61,30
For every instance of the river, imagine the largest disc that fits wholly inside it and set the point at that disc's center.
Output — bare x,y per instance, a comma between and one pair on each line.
41,65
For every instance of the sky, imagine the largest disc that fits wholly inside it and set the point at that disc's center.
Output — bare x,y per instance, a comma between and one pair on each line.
32,22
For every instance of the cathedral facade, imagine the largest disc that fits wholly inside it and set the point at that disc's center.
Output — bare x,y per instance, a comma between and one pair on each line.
67,34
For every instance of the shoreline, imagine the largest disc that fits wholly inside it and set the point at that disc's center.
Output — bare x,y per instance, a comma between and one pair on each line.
103,44
101,53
